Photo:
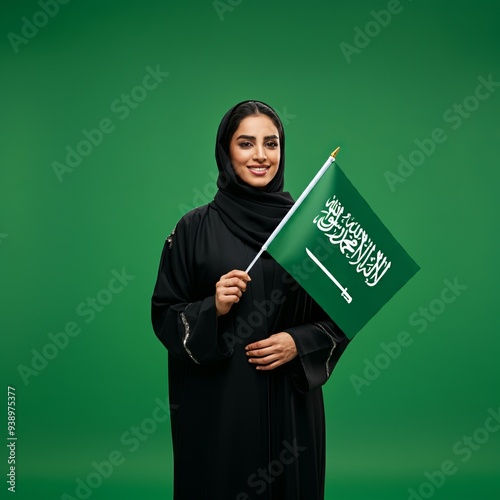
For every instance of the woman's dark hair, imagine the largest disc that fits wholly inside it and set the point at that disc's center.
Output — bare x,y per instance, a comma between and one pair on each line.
249,108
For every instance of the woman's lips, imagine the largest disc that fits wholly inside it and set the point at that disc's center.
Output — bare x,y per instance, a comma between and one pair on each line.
259,170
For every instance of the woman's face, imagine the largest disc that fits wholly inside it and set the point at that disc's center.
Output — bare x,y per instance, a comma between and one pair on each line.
254,150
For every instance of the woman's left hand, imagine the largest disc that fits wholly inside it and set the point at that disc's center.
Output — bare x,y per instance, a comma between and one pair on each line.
272,352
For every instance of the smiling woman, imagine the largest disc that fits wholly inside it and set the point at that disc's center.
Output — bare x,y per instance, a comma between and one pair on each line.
254,151
247,355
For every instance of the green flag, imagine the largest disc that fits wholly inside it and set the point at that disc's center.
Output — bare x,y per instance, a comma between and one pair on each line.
339,251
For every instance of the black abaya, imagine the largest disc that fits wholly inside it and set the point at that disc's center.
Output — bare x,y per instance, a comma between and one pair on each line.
239,433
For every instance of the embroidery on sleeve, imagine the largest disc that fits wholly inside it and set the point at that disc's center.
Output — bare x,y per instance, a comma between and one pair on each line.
187,331
170,239
334,345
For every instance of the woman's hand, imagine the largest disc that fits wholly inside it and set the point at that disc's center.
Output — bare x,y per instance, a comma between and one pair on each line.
272,352
229,289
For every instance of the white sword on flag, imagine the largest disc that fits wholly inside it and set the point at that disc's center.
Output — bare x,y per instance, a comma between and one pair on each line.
296,205
315,259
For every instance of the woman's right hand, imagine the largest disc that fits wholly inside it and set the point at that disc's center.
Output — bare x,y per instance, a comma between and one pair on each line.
229,289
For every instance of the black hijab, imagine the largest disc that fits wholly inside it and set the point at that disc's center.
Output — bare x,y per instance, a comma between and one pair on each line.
250,213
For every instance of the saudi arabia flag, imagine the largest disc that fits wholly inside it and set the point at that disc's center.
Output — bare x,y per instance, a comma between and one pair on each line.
339,251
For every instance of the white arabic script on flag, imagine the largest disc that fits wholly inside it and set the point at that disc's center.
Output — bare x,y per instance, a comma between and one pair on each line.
343,230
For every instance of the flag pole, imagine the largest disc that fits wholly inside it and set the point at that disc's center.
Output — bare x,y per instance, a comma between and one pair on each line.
296,205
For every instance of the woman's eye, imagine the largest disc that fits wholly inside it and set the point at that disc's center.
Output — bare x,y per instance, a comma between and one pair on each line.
245,144
272,144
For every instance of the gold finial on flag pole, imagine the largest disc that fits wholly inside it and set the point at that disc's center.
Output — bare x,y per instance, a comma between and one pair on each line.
334,154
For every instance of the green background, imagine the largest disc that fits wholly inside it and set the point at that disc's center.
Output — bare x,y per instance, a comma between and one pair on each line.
60,241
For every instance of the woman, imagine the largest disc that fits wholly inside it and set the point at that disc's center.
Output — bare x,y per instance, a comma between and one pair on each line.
247,354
